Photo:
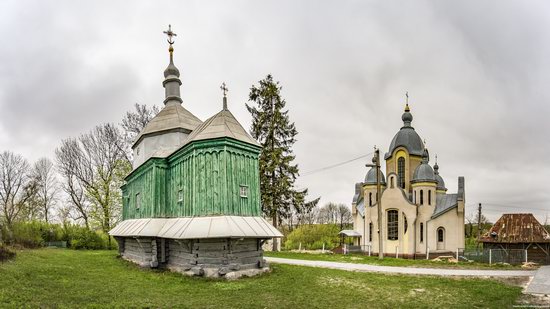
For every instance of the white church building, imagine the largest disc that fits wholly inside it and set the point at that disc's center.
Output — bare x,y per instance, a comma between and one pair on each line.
418,215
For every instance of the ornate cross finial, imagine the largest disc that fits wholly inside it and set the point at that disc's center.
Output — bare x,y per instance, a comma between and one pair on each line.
435,159
224,89
407,95
170,35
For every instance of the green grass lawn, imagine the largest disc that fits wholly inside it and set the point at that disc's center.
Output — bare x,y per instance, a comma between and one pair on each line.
68,278
387,261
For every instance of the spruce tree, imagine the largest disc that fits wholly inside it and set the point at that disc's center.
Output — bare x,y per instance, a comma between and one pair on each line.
272,128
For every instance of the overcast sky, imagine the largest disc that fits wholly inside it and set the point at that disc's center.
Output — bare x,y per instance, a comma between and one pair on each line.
478,75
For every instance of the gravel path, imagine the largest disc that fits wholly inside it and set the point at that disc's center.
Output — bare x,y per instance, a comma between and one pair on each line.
541,282
407,270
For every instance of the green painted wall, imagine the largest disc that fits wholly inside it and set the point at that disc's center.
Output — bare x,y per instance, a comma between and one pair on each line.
201,179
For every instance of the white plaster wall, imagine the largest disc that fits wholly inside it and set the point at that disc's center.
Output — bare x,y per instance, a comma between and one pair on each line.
394,198
152,144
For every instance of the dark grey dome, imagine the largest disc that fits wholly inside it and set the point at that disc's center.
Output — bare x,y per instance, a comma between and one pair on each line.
439,179
406,137
424,171
370,179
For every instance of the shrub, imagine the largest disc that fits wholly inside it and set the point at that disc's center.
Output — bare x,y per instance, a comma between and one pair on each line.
34,234
6,253
312,237
83,238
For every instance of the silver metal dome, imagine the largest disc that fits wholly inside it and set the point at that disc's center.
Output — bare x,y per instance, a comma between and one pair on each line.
439,179
424,172
370,179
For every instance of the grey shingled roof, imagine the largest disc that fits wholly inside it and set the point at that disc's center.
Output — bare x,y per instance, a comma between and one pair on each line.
172,116
445,202
223,124
358,187
361,207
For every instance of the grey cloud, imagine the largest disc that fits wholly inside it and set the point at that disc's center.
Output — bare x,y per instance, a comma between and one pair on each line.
477,74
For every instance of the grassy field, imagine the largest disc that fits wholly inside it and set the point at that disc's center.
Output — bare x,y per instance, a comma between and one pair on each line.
68,278
387,261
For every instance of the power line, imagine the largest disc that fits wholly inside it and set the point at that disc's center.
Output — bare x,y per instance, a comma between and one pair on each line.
513,206
335,165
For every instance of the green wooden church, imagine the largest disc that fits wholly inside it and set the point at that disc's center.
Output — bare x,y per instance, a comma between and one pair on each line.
192,201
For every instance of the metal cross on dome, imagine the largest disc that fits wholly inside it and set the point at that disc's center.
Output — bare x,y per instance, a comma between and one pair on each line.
170,34
224,89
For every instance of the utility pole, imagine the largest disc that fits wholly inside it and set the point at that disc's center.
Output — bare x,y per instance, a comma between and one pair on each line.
376,161
479,224
379,203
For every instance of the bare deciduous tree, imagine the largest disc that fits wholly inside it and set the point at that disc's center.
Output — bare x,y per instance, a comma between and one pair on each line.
134,121
94,165
328,214
67,159
335,214
44,174
15,186
344,215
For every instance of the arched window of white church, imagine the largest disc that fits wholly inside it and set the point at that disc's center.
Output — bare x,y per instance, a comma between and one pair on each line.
405,224
415,196
440,234
429,197
401,171
393,224
370,231
370,198
421,197
421,232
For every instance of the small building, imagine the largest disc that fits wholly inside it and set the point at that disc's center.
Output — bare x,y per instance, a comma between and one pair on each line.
519,231
192,201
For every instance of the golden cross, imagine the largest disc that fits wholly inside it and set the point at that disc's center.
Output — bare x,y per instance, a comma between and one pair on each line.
170,34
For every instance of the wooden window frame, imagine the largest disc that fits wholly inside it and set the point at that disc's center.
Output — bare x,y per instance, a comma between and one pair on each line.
245,188
392,224
401,172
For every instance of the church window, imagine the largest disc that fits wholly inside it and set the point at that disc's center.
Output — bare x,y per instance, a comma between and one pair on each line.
421,232
405,225
244,191
429,197
391,182
393,224
138,201
440,234
421,197
370,231
370,198
415,196
401,171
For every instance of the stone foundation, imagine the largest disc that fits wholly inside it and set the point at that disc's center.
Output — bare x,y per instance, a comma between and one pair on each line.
214,258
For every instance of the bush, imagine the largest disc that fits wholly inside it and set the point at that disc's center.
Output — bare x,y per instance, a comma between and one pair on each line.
34,234
6,254
312,237
80,237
